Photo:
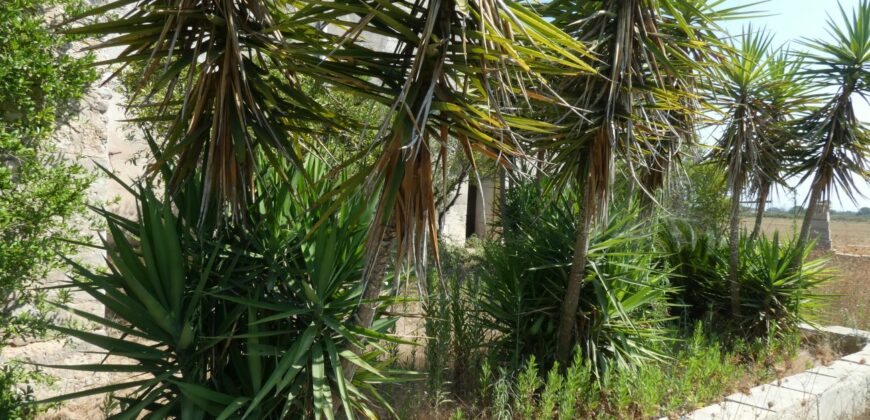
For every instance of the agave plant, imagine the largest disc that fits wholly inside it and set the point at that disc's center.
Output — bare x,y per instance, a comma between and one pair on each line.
780,295
619,318
837,145
225,325
777,293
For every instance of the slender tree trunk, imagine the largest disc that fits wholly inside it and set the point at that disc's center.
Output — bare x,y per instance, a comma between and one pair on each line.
568,316
763,193
734,244
373,280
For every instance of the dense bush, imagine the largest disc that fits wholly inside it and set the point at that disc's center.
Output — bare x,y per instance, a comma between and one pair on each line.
38,79
228,324
777,290
621,314
16,401
641,351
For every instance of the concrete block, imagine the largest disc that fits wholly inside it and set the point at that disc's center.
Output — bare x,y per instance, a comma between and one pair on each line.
836,396
846,331
727,410
774,402
842,369
860,358
846,399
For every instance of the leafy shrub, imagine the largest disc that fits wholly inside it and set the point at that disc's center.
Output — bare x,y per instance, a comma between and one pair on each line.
39,206
38,80
40,196
699,196
777,290
16,396
620,317
229,322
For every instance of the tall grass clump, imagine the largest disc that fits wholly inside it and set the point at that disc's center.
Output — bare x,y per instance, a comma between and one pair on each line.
455,338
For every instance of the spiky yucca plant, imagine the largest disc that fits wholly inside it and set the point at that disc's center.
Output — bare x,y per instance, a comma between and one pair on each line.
452,71
776,296
620,317
227,325
789,96
636,108
836,149
744,80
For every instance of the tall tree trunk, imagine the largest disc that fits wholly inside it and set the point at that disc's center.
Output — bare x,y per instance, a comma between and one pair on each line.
373,281
734,244
763,193
568,316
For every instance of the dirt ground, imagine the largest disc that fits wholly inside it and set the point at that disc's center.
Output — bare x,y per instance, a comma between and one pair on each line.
70,352
850,289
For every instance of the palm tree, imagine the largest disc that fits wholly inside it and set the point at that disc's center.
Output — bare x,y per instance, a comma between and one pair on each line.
837,147
743,83
642,78
787,97
664,153
225,76
459,82
459,71
225,79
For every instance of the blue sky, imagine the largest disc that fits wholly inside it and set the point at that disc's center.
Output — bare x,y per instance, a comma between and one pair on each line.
790,20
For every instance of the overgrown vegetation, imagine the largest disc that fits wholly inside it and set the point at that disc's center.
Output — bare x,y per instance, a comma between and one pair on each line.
699,372
303,158
40,195
622,307
253,325
651,294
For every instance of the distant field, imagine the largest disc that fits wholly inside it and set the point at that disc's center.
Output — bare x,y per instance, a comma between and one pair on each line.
850,305
849,236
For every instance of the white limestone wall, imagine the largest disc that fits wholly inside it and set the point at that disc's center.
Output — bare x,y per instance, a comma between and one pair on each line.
453,230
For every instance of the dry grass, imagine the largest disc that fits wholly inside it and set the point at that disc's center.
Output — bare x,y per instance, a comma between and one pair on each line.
849,236
850,304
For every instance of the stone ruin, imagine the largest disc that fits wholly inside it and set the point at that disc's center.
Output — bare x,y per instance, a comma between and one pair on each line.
820,227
